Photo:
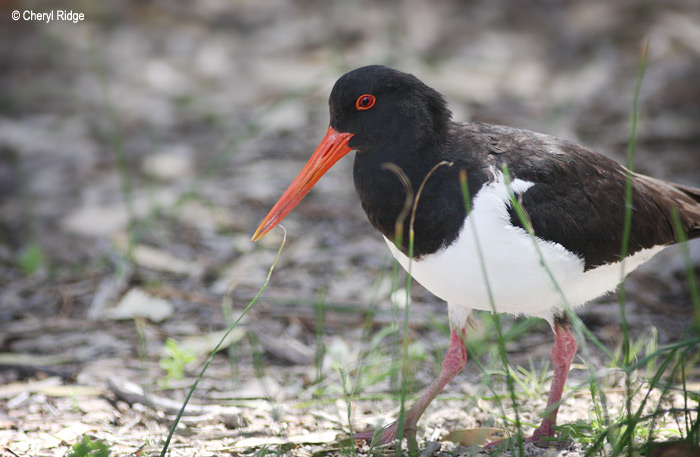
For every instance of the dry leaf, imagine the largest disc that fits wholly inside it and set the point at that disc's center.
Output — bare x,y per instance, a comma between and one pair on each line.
204,344
136,302
472,436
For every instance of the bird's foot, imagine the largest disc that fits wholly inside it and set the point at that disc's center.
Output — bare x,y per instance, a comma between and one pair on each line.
388,434
380,437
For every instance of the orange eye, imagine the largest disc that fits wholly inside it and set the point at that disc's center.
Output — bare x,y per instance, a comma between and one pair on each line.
365,101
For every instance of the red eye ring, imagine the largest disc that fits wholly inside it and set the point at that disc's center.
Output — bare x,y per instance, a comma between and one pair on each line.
365,101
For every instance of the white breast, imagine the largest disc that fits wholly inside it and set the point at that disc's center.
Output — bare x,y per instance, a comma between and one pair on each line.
518,282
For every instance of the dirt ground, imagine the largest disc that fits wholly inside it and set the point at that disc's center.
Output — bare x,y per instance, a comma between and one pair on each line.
141,145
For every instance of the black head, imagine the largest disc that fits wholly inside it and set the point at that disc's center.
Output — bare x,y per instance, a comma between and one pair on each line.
387,116
386,108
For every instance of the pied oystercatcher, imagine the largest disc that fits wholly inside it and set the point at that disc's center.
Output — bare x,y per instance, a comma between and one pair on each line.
573,197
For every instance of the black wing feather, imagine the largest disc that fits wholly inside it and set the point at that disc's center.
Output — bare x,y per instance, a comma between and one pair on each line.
578,199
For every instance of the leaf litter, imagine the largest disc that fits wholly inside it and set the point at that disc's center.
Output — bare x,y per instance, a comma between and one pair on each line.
211,113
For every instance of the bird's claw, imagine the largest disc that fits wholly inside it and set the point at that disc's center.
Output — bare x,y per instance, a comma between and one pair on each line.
380,437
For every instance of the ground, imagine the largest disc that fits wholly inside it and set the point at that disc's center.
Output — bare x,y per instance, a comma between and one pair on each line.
140,147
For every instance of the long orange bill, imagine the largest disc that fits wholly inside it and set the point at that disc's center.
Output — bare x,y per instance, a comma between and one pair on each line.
332,148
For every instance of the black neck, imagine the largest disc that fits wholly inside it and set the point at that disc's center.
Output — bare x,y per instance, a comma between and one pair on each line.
441,208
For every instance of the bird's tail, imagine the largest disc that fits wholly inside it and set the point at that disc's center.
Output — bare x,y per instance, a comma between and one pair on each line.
685,199
689,209
691,192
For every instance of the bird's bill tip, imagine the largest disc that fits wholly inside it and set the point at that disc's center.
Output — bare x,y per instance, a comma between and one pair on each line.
332,148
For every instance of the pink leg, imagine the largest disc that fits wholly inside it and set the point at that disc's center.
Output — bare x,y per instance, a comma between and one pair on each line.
453,363
563,352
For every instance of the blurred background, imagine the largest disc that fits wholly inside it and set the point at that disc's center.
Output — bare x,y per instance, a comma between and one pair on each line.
141,146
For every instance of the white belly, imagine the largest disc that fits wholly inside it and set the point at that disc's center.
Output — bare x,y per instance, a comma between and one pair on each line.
517,281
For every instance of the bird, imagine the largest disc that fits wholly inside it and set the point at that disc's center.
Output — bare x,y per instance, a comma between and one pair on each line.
473,211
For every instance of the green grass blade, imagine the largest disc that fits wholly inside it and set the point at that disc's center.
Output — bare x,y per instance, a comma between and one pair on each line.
510,383
221,341
624,250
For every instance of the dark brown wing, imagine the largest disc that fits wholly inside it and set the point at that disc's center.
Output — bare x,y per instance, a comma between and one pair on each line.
578,199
